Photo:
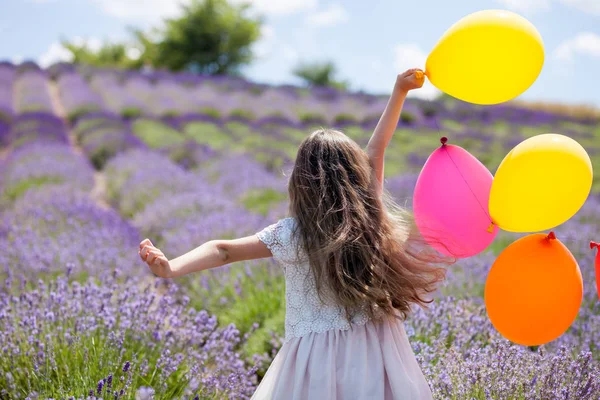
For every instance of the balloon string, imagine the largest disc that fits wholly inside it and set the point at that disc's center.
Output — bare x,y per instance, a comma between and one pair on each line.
469,186
490,229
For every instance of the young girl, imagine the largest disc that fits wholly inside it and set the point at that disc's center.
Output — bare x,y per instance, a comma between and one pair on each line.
351,267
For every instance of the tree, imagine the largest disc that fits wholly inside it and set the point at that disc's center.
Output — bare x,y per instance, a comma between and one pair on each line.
320,75
108,54
211,37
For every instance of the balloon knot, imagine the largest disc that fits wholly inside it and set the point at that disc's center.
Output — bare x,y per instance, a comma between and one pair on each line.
490,228
594,245
443,140
551,236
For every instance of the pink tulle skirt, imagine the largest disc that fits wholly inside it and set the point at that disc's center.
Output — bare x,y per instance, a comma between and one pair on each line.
372,361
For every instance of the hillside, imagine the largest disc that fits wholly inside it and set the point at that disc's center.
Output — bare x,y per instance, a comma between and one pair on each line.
93,161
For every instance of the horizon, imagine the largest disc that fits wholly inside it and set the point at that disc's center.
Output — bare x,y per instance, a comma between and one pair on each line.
369,43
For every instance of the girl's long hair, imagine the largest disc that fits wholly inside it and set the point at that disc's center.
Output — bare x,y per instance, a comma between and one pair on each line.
364,250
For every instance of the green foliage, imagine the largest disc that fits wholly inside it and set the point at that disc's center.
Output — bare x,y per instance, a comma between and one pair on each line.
259,298
81,111
13,192
345,119
131,112
429,110
110,54
407,118
241,113
320,75
208,133
261,201
211,37
156,134
211,112
313,119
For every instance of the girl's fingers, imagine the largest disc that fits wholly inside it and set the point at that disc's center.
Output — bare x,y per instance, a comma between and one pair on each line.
153,258
145,242
148,248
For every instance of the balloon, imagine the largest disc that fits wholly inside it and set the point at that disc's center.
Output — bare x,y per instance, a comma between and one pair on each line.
534,290
540,184
488,57
597,246
450,202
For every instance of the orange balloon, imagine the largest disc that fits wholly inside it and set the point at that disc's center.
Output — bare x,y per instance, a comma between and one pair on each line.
534,290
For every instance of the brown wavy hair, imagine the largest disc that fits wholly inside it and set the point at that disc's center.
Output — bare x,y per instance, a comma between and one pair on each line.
364,250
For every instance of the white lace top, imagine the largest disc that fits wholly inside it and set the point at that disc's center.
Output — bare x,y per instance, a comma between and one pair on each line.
305,313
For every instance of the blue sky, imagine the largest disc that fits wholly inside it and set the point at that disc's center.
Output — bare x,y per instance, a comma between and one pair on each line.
370,41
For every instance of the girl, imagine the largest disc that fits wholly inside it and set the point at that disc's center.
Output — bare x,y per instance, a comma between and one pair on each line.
351,266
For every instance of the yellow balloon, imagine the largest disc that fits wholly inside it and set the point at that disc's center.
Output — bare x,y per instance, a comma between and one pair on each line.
488,57
540,184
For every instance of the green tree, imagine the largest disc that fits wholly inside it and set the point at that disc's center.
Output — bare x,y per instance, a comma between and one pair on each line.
109,54
320,74
212,36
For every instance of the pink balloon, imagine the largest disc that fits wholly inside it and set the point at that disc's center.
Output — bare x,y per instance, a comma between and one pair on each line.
450,202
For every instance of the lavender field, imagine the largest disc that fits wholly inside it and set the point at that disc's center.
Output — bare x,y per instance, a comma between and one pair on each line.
92,161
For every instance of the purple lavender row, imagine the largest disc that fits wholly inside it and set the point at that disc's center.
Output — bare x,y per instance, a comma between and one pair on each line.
183,208
7,78
116,97
32,92
157,103
37,127
102,136
41,163
63,319
56,226
76,95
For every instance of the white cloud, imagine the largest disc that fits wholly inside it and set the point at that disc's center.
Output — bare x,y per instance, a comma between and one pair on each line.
264,46
147,10
526,6
133,52
18,59
407,56
585,43
280,7
332,15
269,45
55,53
589,6
92,43
153,11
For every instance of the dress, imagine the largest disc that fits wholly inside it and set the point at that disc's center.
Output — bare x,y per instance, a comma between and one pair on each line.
322,358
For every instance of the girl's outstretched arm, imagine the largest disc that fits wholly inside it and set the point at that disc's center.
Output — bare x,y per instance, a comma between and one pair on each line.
211,254
411,79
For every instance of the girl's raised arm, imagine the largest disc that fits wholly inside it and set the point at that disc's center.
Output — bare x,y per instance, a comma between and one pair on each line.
211,254
411,79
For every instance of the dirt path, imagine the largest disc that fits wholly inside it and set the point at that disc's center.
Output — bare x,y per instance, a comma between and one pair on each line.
99,191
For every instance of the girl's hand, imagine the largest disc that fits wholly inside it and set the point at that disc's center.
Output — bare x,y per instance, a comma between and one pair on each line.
410,79
156,260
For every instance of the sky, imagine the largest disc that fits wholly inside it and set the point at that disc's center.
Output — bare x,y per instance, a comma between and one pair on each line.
369,41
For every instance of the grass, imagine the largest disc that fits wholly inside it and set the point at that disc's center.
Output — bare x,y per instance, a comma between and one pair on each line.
156,134
261,201
255,297
207,133
12,193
